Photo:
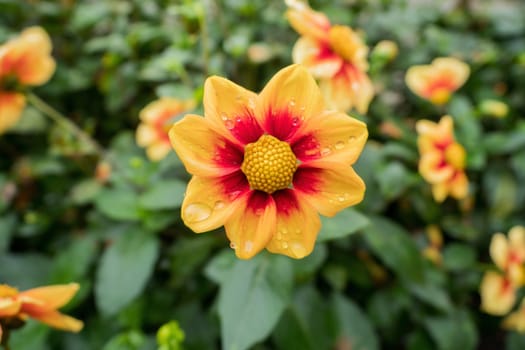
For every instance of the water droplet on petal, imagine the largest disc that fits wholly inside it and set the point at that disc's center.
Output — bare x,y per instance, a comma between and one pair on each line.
219,205
251,103
339,145
229,124
233,195
325,151
248,246
233,246
341,198
196,212
259,211
238,119
295,121
302,109
292,102
284,245
224,117
351,138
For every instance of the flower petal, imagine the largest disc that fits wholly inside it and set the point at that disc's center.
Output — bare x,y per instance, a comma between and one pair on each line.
516,320
51,297
297,225
9,307
331,137
290,99
452,68
158,150
209,202
499,250
202,149
348,45
58,320
329,190
251,229
11,107
433,168
497,294
306,21
231,108
459,185
319,60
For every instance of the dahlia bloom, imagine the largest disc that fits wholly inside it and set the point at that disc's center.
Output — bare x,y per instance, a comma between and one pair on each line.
41,304
442,161
438,80
156,119
335,55
498,289
265,165
24,61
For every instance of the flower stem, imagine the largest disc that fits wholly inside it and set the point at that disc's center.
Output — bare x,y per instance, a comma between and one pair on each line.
67,124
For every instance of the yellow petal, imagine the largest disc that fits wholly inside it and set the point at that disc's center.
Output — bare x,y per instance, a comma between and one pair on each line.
11,107
459,185
307,52
210,202
331,138
306,21
158,150
452,67
455,155
329,190
433,170
517,242
146,135
251,229
9,307
440,191
499,250
497,294
349,46
297,226
516,320
292,91
58,320
163,109
51,297
202,149
231,109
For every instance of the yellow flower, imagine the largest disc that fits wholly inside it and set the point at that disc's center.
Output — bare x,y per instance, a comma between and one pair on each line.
41,304
26,61
516,320
335,55
438,80
442,160
494,108
156,119
386,49
498,295
265,165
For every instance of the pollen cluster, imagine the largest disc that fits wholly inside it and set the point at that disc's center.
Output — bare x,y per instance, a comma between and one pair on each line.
269,164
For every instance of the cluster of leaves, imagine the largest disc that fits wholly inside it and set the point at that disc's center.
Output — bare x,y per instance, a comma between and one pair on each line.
366,285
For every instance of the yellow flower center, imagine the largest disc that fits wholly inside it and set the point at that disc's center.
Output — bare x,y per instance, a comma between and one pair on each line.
269,164
455,155
440,96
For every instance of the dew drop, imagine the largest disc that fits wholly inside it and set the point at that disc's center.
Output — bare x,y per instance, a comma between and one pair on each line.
238,119
197,212
298,250
229,124
295,121
325,151
251,103
218,205
248,246
339,145
224,117
284,245
233,246
351,139
341,198
234,194
259,211
302,109
292,103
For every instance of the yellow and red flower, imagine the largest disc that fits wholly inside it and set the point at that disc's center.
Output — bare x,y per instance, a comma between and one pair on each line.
334,54
498,289
40,304
156,120
438,80
442,160
24,61
516,320
265,165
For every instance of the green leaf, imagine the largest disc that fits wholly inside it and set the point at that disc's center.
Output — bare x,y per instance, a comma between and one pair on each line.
504,142
355,328
24,271
80,250
31,121
454,331
85,191
32,336
7,228
393,179
164,194
457,257
307,267
393,245
346,222
221,264
252,298
124,269
119,204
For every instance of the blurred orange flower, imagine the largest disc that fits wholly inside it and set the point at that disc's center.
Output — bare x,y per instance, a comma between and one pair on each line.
498,289
41,304
438,80
24,61
516,320
265,165
156,119
334,54
442,160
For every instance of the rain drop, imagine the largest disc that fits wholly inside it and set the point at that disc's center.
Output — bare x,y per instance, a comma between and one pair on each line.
298,250
351,139
218,205
233,246
295,121
224,117
292,103
325,151
197,212
251,103
238,119
259,211
341,198
339,145
284,245
229,124
248,246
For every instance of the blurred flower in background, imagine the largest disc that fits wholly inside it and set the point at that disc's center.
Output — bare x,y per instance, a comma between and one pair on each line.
438,80
334,54
40,304
24,61
156,119
265,165
442,160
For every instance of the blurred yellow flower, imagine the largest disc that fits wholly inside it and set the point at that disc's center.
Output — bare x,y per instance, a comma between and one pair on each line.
494,108
442,160
40,304
438,80
24,61
516,320
386,49
498,295
156,120
334,54
265,165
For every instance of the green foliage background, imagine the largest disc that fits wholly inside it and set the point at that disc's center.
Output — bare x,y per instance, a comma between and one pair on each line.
366,285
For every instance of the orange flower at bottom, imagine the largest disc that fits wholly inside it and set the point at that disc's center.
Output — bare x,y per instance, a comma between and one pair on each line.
155,118
442,159
40,304
265,165
11,107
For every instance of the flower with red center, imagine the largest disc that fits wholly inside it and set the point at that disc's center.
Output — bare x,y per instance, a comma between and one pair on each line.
265,165
442,159
498,290
40,304
438,80
24,61
156,119
335,55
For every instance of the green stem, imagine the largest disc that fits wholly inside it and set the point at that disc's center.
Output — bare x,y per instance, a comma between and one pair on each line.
64,122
